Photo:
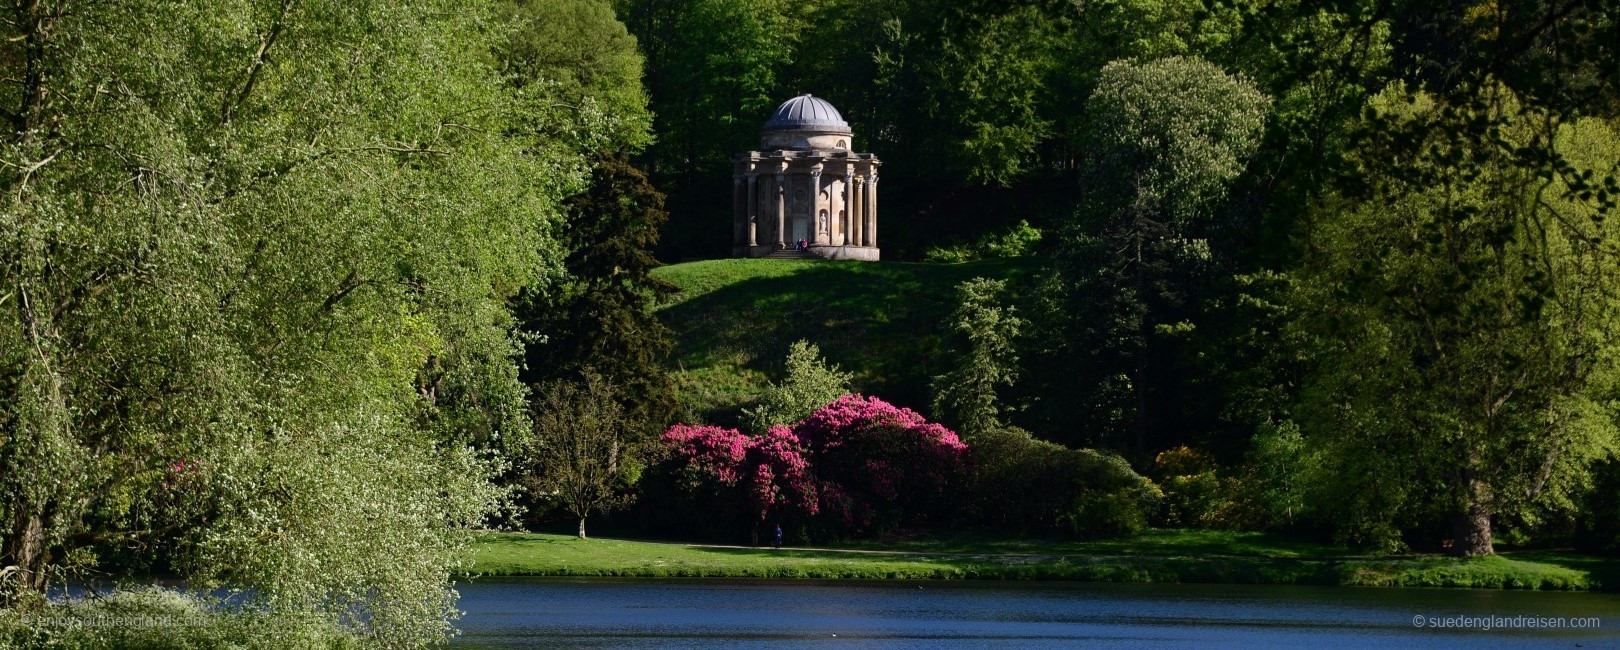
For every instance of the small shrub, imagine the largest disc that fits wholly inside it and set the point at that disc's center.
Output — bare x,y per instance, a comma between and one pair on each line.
1194,495
1020,484
1191,500
1019,240
854,466
953,254
808,383
1022,239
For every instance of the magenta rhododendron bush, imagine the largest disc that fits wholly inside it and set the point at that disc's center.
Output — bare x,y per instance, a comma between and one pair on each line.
856,465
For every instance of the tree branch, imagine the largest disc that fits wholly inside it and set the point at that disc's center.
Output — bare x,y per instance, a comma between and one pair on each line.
251,76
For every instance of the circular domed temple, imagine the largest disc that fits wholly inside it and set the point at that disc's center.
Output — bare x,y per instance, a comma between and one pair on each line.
806,183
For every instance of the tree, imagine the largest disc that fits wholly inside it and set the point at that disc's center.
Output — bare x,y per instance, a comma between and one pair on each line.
601,316
965,397
233,234
576,54
578,453
1278,472
1166,139
808,383
713,75
1464,302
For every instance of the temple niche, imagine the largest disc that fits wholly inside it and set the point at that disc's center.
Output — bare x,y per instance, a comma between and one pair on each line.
805,183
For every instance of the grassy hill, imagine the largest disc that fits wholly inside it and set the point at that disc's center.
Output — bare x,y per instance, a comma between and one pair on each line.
883,321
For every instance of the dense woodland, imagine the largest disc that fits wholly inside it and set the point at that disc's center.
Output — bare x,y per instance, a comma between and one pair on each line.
1373,238
297,294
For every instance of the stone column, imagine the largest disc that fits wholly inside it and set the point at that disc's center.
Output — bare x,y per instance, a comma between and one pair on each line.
871,218
846,221
781,210
815,204
858,217
752,211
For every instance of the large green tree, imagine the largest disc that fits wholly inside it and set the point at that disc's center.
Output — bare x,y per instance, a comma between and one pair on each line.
601,316
1167,139
984,329
254,264
1465,303
580,67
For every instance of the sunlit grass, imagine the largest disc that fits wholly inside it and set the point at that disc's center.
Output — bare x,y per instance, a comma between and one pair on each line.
1156,556
734,319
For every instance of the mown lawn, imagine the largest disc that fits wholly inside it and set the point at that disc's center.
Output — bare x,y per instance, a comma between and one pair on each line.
883,321
1157,541
1157,556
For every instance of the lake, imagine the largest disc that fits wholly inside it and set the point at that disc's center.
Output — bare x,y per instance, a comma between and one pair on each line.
605,612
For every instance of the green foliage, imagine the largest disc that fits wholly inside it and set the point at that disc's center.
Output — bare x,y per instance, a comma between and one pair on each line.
808,383
1019,240
1194,495
255,259
161,619
577,55
982,85
579,458
1168,136
984,327
1021,485
601,316
1279,472
1166,140
1463,308
1194,500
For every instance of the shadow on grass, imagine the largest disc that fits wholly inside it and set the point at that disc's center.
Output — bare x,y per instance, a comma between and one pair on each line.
791,563
1151,542
883,321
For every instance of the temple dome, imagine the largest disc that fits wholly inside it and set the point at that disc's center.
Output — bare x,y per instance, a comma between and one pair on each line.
807,113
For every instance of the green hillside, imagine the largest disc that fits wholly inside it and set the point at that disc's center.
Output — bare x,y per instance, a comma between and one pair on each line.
883,321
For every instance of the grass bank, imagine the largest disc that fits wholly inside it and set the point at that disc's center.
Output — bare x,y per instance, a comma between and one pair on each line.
734,319
1158,556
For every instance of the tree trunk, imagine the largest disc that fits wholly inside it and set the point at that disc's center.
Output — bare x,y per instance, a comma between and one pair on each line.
25,553
1144,330
582,528
1471,527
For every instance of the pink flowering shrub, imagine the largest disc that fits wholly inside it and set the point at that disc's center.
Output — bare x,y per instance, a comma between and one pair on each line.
886,462
711,454
858,464
782,485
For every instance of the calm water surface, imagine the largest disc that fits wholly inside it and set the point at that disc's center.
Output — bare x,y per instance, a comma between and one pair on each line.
535,612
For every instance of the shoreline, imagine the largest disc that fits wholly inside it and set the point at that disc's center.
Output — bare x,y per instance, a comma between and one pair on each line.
543,555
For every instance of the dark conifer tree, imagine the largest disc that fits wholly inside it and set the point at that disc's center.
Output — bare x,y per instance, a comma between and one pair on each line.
602,317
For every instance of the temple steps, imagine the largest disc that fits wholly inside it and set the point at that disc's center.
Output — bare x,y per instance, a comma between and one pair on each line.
790,255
